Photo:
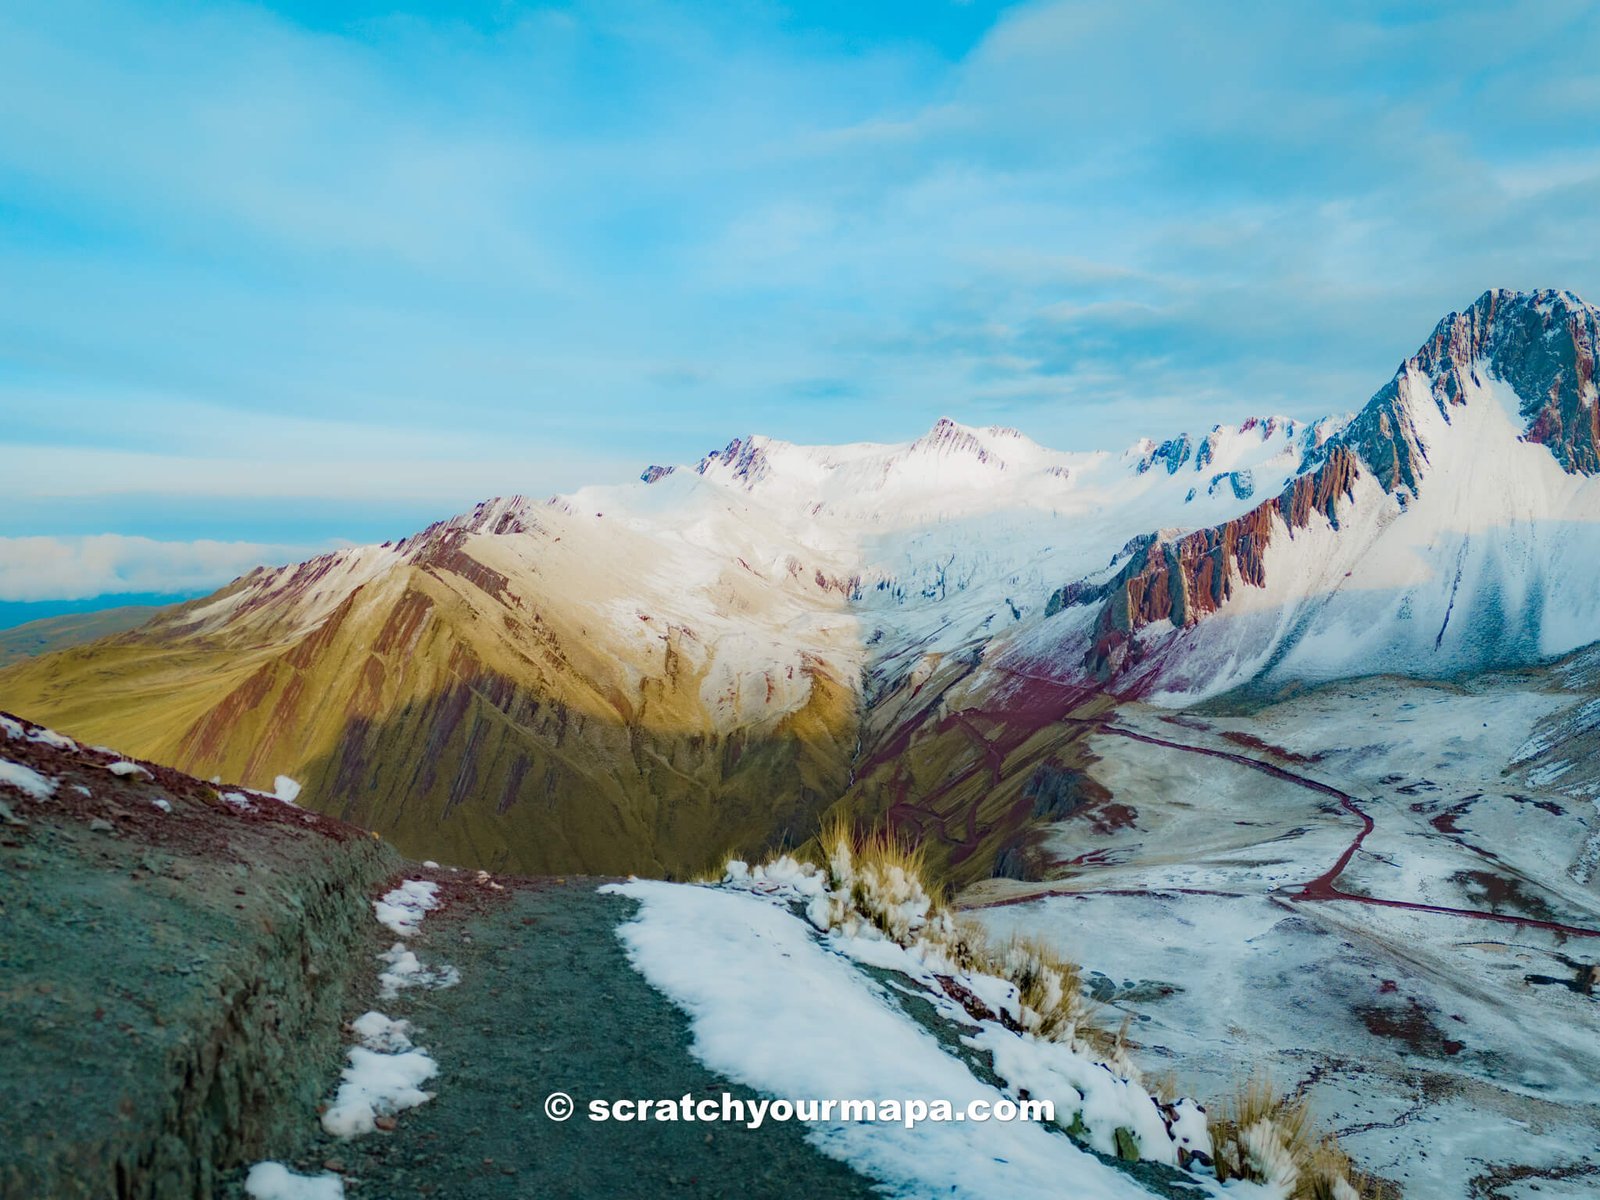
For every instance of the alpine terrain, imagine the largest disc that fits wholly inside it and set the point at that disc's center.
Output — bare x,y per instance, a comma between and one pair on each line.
1285,731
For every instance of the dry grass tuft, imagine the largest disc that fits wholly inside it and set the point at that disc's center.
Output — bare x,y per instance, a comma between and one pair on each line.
883,878
1051,987
1257,1135
886,880
715,868
1265,1137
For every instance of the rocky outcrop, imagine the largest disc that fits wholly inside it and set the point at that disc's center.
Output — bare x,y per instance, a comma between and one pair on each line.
177,967
1184,579
744,458
946,437
1543,345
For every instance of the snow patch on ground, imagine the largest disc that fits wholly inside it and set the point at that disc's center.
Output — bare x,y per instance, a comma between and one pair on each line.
401,910
274,1181
376,1084
774,1008
26,780
49,737
127,770
406,970
1548,774
386,1069
379,1032
286,789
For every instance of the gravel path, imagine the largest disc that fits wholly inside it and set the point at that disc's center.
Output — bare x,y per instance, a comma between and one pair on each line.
547,1002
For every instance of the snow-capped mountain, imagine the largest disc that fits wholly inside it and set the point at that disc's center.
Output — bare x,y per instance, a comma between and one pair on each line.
1453,525
643,674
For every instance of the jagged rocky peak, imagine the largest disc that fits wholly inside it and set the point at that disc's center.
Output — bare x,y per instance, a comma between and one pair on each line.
501,515
1542,344
951,438
744,459
1198,453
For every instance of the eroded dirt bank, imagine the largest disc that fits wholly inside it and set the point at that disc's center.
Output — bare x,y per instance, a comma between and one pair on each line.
173,981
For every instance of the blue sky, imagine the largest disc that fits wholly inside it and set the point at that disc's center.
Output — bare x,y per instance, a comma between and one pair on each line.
281,275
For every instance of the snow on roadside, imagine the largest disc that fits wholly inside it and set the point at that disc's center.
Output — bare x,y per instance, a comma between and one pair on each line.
26,780
406,970
274,1181
286,789
128,769
378,1032
377,1084
401,910
1100,1098
776,1009
386,1068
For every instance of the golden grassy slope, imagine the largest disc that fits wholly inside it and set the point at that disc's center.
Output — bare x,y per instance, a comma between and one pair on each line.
467,724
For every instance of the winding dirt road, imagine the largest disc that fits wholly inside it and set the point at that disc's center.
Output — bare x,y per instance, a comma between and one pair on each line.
1326,886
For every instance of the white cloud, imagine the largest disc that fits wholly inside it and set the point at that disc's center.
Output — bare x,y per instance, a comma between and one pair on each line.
338,241
74,568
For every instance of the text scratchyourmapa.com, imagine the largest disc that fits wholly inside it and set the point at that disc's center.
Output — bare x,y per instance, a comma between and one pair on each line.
753,1113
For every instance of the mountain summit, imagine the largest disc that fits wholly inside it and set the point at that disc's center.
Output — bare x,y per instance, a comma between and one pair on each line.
637,677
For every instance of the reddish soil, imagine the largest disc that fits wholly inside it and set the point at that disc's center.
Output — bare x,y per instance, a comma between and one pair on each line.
941,814
1412,1025
1250,742
128,800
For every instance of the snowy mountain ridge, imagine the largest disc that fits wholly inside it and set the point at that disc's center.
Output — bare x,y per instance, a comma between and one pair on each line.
786,620
964,532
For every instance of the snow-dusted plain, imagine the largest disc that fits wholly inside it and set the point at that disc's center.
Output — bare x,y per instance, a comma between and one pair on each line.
1448,1043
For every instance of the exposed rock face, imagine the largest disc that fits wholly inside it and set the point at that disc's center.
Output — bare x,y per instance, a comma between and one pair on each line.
1188,578
636,678
1172,454
946,437
1544,345
745,457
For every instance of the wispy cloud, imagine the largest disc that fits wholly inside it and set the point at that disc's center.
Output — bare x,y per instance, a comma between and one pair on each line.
429,256
48,568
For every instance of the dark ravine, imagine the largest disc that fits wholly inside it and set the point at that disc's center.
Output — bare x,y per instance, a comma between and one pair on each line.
172,982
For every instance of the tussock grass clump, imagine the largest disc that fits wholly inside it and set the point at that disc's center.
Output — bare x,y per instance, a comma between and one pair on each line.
1051,987
1265,1137
714,869
877,885
885,881
880,879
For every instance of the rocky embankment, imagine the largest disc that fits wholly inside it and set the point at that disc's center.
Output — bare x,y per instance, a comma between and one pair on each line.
174,965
